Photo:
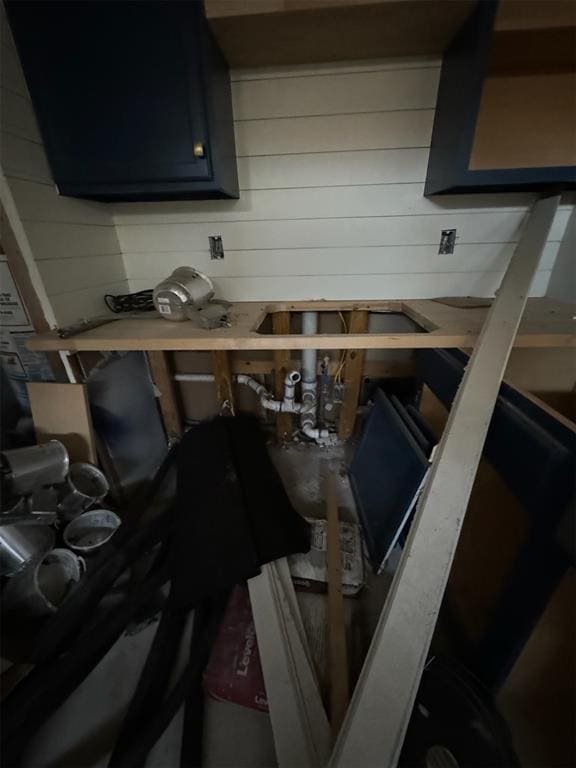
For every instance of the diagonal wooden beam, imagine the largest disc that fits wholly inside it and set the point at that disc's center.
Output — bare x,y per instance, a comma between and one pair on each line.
374,729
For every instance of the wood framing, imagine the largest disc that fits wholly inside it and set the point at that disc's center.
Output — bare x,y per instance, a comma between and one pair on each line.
337,650
547,323
374,728
223,376
162,376
352,376
281,326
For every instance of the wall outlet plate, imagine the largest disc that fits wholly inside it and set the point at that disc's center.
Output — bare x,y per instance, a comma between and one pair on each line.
216,247
447,241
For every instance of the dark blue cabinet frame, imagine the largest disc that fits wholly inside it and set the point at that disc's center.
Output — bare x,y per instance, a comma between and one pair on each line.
535,454
132,97
464,68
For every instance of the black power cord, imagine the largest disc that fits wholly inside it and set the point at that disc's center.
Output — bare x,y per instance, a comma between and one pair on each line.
130,302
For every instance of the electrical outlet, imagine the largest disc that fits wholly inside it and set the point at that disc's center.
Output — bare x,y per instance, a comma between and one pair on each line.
447,241
216,247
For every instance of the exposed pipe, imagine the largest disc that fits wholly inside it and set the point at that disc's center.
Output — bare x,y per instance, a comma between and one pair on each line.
308,408
310,384
287,405
196,377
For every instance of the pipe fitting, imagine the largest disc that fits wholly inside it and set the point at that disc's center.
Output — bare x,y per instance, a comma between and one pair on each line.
289,405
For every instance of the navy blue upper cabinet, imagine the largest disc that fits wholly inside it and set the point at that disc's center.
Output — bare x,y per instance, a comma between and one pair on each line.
506,110
132,97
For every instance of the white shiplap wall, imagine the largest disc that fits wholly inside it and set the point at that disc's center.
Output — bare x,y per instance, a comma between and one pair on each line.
332,161
73,242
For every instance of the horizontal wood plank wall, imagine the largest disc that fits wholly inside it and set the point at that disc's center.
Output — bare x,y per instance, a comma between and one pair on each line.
73,241
332,161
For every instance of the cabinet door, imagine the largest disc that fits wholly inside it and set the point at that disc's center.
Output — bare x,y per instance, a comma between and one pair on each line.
117,86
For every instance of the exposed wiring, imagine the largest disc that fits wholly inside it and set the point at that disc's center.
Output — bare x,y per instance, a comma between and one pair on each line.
340,366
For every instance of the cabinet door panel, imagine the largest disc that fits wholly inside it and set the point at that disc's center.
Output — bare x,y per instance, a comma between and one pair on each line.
117,87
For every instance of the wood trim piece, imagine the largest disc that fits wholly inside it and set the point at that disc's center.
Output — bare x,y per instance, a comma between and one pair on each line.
284,575
391,674
223,376
281,325
299,722
162,376
338,653
352,376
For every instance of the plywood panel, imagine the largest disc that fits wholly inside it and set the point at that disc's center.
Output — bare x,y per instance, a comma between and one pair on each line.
547,323
61,412
526,121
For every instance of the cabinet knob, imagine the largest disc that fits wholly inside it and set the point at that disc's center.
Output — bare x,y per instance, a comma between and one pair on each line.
199,149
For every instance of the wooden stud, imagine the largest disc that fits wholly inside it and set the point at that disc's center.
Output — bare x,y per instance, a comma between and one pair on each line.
352,376
223,376
281,325
162,376
374,729
338,655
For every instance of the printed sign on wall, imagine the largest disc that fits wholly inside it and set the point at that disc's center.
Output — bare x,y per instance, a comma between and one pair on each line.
12,310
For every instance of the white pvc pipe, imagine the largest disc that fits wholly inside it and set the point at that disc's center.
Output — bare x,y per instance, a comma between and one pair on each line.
310,384
287,405
309,356
198,377
309,405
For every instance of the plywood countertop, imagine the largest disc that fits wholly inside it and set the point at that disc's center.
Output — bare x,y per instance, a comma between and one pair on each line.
446,323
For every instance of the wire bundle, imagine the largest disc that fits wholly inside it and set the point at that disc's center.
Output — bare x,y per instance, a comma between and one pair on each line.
130,302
